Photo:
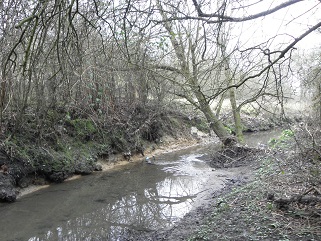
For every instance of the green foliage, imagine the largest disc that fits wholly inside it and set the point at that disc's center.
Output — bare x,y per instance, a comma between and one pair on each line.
266,168
83,127
222,205
62,163
174,122
270,206
287,133
17,149
68,116
229,129
52,115
282,140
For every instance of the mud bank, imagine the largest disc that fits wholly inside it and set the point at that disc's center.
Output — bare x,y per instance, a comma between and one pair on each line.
203,206
168,145
117,161
31,164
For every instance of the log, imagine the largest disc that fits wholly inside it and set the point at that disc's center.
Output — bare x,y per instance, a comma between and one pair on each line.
282,203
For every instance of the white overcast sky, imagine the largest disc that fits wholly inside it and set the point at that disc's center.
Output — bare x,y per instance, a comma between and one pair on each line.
289,22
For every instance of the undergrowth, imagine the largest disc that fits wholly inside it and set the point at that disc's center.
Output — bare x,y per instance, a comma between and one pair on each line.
250,212
64,139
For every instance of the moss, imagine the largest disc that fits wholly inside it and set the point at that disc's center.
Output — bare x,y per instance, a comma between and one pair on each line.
203,126
47,161
15,149
62,163
56,141
82,150
83,128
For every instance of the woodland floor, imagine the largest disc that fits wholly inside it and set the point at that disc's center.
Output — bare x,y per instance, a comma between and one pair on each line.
274,196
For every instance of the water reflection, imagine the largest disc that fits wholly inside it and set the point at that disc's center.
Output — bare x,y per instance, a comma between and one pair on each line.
152,208
103,206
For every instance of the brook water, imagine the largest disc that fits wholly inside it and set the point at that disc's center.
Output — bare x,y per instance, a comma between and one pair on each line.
102,206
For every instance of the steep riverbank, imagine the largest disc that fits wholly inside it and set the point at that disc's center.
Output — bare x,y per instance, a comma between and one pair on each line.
80,146
117,161
101,205
72,144
169,144
234,201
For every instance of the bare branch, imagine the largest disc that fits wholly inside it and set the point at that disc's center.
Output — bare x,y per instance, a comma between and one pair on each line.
282,54
224,18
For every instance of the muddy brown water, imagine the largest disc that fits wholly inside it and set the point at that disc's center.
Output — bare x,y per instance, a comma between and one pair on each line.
104,205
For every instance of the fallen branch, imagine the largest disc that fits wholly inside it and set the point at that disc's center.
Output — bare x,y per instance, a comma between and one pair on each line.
283,203
315,189
298,199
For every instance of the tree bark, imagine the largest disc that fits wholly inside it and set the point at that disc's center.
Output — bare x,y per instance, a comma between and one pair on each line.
236,116
236,111
230,80
191,76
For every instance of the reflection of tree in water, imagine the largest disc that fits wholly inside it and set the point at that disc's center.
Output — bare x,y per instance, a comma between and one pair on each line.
157,205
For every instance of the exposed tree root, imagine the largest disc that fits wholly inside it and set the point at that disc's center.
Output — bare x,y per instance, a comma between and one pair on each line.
232,156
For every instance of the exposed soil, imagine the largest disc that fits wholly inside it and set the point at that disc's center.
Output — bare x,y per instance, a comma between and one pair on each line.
168,144
73,144
117,161
247,207
274,194
263,200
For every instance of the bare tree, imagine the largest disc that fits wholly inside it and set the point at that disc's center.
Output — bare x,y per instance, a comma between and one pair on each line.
97,55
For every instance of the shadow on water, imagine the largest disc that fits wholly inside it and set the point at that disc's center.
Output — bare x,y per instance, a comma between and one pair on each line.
102,206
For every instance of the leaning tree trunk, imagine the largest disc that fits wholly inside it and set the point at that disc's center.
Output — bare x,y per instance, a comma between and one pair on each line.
192,79
215,124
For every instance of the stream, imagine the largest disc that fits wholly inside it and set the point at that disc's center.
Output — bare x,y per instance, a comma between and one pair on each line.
102,206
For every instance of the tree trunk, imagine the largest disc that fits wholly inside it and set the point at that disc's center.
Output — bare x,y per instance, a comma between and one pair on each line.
192,79
236,116
236,111
215,124
219,105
